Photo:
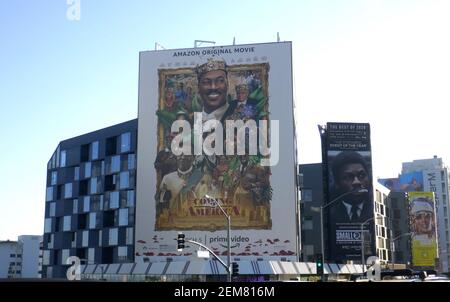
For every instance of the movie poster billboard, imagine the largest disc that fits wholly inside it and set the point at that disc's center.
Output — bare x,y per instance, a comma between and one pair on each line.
423,229
350,210
411,182
392,184
211,121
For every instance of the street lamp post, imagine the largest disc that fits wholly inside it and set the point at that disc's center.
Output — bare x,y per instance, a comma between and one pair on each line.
362,239
322,245
393,246
228,235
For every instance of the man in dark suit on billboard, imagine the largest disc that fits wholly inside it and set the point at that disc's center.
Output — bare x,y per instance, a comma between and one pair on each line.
351,174
352,186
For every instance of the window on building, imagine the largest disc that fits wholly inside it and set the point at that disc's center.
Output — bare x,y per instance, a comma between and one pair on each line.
63,159
115,164
59,192
84,153
67,223
94,149
52,209
82,218
124,180
91,255
54,178
92,220
51,240
131,161
75,206
56,257
113,236
108,219
130,198
57,224
110,182
307,195
64,255
85,240
86,203
83,188
96,185
129,240
46,257
68,190
48,225
97,203
123,217
122,254
125,139
76,173
111,146
87,169
97,168
49,194
307,223
114,200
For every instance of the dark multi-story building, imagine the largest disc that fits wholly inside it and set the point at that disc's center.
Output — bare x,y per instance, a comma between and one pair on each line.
90,199
399,237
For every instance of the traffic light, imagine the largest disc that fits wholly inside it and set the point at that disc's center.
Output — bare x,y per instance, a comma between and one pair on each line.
235,268
319,264
180,241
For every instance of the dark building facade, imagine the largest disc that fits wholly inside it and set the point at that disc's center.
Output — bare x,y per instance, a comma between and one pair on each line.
311,186
90,199
399,237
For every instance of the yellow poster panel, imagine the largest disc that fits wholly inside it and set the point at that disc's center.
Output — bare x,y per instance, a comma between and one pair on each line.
423,228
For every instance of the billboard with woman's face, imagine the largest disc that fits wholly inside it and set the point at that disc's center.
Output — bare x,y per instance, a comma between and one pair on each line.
423,229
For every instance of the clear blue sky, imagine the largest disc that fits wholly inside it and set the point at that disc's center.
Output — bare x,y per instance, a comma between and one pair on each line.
383,62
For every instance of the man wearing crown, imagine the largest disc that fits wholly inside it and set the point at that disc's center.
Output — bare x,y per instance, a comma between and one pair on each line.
213,90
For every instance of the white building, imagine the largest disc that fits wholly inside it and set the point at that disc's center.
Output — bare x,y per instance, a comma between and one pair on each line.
436,179
20,259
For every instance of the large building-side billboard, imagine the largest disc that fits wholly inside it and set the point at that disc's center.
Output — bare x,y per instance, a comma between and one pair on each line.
211,121
411,182
423,229
349,206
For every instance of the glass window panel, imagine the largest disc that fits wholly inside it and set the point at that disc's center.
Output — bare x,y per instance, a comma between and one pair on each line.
92,220
100,238
52,209
67,223
123,217
87,169
68,190
96,203
54,178
46,257
114,200
51,240
85,239
130,198
131,161
124,180
48,225
122,253
76,173
65,254
86,203
75,206
129,236
49,194
113,234
96,168
91,255
125,142
94,149
63,158
93,185
115,164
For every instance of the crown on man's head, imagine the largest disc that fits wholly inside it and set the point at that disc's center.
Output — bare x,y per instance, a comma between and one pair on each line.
241,87
210,66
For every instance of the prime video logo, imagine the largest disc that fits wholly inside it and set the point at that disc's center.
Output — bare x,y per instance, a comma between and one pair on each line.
241,138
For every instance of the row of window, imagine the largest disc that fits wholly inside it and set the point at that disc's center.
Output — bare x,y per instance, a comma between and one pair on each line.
93,149
108,201
110,165
92,220
95,185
